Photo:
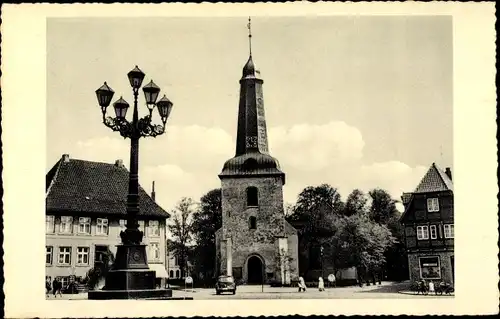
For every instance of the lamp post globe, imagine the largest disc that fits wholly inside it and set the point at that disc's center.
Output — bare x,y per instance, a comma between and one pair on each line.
135,77
164,106
104,95
151,91
121,106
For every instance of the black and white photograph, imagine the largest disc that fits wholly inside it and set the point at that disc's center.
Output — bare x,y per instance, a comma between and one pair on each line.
252,156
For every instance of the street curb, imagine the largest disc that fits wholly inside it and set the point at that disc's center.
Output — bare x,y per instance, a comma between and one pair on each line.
407,292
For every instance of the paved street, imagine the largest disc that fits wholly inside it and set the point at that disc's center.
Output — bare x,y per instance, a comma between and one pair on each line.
387,290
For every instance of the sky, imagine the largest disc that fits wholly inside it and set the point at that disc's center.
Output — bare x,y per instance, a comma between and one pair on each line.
356,102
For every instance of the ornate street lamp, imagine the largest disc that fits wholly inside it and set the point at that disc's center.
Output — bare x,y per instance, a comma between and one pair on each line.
130,277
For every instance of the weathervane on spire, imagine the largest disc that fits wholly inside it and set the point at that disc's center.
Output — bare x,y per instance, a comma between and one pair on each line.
249,26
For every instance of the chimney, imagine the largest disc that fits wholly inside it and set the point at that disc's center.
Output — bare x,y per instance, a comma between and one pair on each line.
448,172
153,193
65,158
119,163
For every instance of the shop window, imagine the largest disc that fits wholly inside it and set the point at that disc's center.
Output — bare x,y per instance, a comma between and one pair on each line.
430,267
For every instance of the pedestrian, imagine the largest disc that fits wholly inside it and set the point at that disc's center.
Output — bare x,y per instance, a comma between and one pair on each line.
321,284
302,285
56,287
332,280
431,286
48,286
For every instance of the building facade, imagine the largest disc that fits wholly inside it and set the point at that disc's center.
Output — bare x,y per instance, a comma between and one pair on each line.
429,229
255,243
85,213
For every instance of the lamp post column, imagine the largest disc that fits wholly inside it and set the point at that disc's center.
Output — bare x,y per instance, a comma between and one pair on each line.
130,276
133,186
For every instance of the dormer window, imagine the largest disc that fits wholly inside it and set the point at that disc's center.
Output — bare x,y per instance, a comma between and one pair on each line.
252,197
432,205
253,222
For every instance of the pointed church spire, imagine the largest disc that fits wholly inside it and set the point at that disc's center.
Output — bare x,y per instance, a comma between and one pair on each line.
252,151
249,26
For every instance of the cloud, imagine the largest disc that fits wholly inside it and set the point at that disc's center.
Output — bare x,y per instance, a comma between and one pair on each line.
186,161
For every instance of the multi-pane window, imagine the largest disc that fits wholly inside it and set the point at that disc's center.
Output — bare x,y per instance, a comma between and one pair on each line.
430,267
82,256
449,231
433,231
66,225
84,225
49,223
432,205
64,255
422,232
48,255
154,228
101,226
154,251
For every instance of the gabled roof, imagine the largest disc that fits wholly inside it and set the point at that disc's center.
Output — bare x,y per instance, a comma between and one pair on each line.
79,186
435,180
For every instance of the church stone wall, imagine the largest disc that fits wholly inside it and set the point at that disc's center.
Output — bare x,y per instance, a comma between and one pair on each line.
270,223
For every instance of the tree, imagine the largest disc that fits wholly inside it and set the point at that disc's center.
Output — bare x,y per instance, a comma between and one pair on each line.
367,242
206,221
316,208
356,203
384,212
181,228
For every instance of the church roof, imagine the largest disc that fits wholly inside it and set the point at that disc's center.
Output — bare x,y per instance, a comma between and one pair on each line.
80,186
251,164
435,180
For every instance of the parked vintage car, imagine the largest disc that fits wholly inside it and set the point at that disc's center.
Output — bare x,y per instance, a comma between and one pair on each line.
225,284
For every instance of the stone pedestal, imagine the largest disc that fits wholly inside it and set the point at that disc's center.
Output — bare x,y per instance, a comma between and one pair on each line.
130,277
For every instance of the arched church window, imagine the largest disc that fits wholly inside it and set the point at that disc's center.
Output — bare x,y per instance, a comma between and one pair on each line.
171,274
253,222
177,274
252,196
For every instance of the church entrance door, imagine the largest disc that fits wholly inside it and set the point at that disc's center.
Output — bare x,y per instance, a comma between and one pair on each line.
254,270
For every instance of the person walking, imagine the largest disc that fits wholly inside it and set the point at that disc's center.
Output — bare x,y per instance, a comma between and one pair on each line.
321,284
302,285
48,286
56,287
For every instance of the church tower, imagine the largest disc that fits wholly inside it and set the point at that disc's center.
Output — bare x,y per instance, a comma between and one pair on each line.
255,243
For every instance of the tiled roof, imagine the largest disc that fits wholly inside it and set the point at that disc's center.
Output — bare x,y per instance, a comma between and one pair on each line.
435,180
91,187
